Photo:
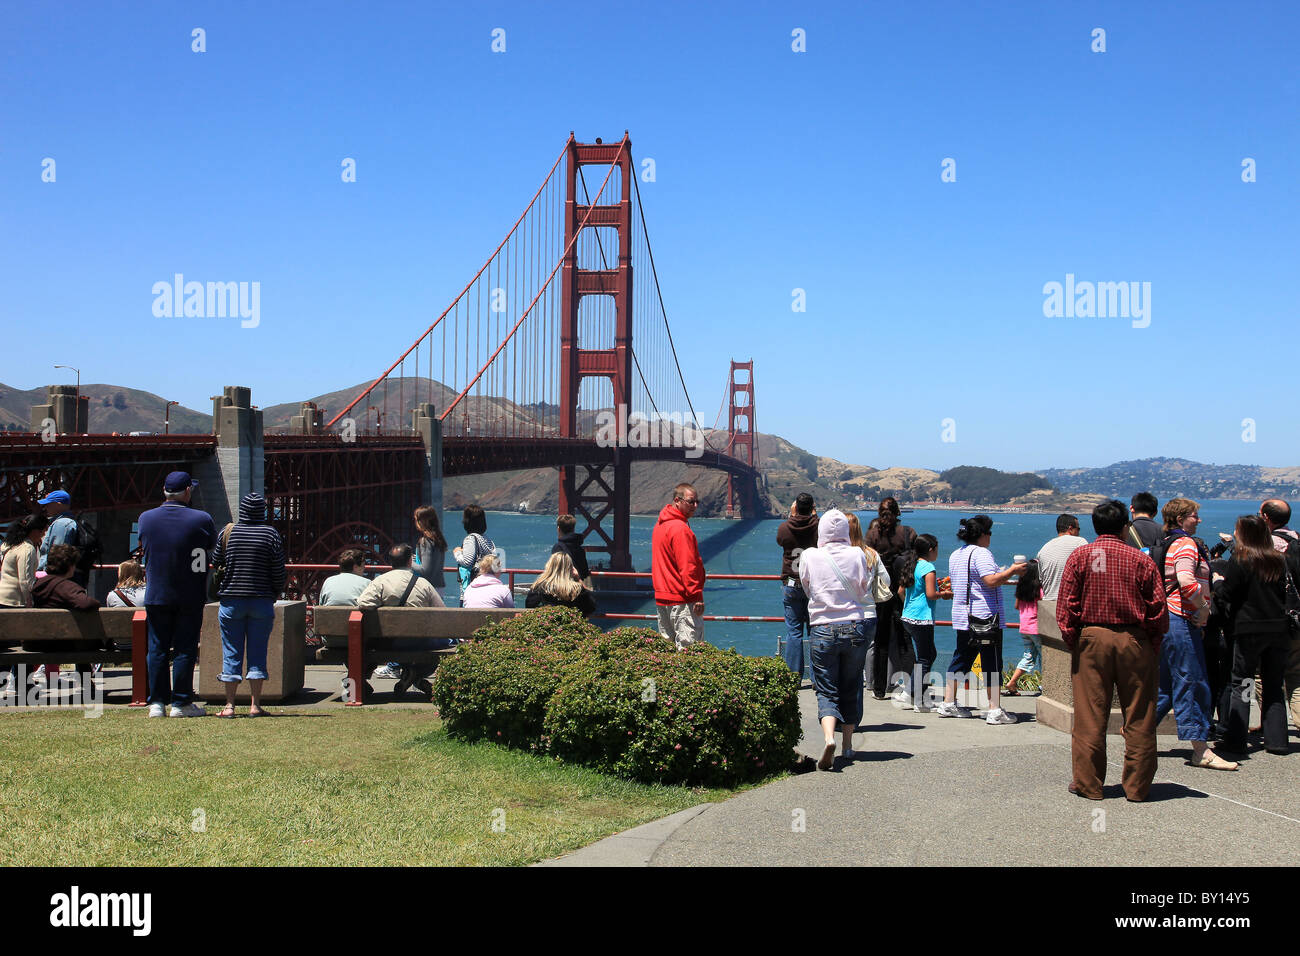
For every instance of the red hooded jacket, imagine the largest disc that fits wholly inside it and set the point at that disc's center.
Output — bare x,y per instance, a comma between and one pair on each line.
675,565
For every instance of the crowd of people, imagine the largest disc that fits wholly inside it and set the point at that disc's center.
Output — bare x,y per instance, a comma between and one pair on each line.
1147,610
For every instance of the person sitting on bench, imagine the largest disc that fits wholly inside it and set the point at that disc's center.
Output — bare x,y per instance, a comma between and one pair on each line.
403,587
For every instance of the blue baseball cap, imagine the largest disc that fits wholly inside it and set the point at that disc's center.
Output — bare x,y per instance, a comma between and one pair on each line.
54,496
179,481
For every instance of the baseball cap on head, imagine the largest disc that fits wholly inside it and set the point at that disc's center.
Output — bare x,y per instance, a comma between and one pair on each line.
179,481
54,496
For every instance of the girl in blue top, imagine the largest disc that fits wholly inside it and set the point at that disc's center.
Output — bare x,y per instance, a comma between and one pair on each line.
918,589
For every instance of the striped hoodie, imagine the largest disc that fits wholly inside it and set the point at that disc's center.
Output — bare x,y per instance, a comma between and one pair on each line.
254,555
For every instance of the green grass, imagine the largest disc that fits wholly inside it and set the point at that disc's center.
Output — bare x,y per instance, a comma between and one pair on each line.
333,787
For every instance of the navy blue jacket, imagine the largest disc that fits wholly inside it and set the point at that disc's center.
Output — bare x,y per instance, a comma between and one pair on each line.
170,535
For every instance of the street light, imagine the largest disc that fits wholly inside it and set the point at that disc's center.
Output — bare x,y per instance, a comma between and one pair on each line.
167,418
78,371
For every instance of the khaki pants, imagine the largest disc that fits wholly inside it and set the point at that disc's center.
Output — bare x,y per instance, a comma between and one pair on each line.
679,624
1106,659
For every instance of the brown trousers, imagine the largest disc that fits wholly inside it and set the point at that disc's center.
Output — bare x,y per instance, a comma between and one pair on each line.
1106,659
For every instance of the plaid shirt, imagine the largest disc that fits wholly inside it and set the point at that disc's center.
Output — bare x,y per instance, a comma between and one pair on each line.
1111,584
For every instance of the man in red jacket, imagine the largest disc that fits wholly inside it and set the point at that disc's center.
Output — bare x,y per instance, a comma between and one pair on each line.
678,570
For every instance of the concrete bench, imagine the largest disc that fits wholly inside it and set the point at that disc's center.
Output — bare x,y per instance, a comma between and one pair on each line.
52,636
376,635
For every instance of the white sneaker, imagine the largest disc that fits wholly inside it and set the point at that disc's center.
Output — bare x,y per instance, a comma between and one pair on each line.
947,709
921,707
999,716
156,710
903,697
189,710
387,672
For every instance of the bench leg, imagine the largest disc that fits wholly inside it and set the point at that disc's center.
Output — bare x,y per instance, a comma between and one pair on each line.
139,659
356,660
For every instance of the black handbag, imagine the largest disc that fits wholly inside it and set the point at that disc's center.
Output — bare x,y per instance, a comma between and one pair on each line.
983,629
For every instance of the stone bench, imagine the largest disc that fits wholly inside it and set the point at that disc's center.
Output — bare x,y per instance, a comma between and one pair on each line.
30,637
1055,705
376,635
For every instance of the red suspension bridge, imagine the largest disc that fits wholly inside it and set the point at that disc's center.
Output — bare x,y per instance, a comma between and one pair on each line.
557,353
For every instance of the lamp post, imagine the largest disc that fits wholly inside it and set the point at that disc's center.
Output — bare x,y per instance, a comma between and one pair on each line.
167,418
78,371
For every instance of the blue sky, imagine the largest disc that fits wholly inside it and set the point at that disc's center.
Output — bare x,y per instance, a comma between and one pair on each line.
775,170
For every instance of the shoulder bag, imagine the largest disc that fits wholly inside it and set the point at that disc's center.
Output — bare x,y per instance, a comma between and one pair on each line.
982,629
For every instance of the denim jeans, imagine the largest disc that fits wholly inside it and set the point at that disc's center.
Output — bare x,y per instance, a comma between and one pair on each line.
1184,681
839,652
173,628
1032,659
796,622
245,626
922,636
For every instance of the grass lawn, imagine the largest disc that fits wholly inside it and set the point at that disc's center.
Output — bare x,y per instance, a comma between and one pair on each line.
330,787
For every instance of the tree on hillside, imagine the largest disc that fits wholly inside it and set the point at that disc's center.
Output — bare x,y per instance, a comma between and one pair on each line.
990,486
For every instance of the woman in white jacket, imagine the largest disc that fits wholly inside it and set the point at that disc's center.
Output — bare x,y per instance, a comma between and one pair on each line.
842,617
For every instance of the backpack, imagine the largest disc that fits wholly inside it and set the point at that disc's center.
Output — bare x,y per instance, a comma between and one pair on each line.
89,544
1160,551
1292,556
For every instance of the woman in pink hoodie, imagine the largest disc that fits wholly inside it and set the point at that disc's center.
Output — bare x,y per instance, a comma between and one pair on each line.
842,614
486,590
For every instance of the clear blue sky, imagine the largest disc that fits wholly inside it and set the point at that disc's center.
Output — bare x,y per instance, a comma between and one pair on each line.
775,170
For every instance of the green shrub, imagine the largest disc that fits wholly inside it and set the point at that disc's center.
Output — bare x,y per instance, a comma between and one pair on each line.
623,702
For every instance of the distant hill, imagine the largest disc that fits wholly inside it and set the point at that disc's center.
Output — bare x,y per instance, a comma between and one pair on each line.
1177,477
113,408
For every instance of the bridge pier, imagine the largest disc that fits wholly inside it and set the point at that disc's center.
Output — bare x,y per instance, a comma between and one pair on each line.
239,465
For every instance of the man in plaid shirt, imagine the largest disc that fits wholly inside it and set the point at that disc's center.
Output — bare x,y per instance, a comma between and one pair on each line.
1112,614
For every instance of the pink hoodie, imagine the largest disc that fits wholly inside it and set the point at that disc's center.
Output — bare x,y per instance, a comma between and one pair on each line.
487,591
828,601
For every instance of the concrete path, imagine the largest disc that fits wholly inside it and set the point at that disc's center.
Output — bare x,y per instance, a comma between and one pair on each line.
926,790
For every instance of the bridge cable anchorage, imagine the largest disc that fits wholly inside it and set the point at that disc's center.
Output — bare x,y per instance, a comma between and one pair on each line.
558,262
455,302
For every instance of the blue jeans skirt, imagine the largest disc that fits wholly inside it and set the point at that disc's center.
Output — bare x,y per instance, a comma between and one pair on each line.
245,628
1184,680
839,652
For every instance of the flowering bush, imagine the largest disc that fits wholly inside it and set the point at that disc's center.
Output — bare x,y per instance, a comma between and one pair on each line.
623,702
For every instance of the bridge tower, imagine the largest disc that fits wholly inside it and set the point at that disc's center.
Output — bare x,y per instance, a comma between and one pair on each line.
604,490
740,435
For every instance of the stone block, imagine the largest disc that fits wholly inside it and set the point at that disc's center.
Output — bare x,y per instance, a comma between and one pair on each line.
285,655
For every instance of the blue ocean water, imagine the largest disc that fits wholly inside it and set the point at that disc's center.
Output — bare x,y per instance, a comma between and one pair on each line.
749,547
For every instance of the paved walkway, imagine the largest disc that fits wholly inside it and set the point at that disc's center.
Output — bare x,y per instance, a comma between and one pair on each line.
926,790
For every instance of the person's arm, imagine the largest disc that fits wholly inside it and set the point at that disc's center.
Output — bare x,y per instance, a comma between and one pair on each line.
76,595
931,592
466,553
27,561
785,537
1188,587
372,596
586,603
688,560
279,574
1069,601
434,598
534,598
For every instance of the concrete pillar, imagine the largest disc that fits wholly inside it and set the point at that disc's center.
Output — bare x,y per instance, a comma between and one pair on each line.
238,466
309,421
424,420
70,411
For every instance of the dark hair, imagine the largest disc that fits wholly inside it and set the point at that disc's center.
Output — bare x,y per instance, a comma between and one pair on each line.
20,529
349,559
566,523
62,558
1254,550
1028,586
1146,503
1276,510
475,521
922,545
1109,517
428,524
399,556
803,504
1065,522
972,529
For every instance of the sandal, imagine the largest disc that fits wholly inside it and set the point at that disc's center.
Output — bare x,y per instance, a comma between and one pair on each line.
228,711
256,713
1212,761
